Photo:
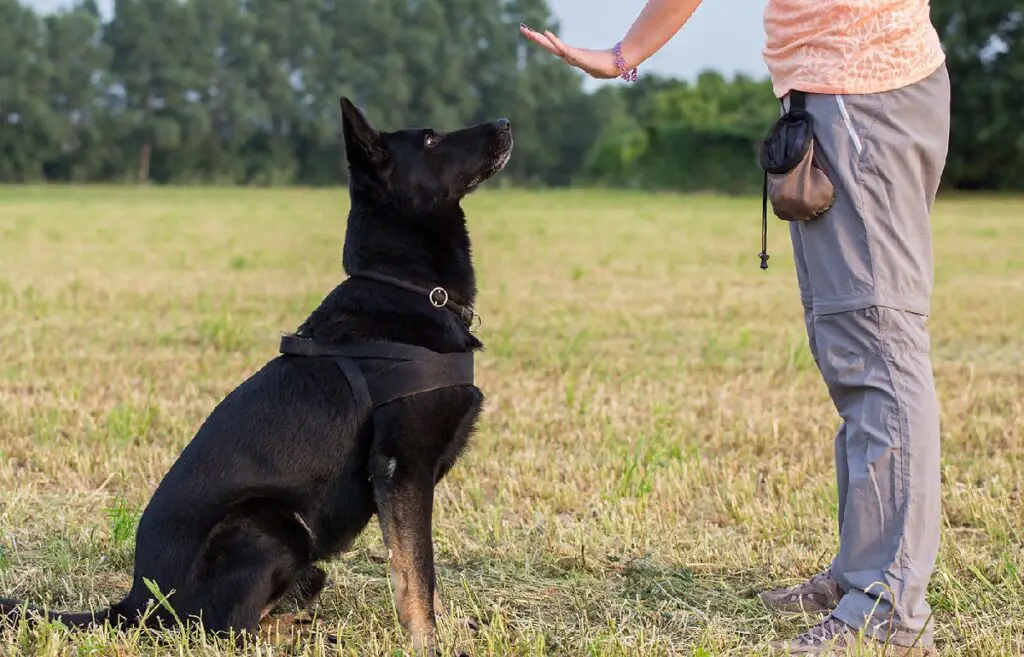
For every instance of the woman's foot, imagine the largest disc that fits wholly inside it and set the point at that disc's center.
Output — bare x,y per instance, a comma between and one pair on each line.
818,595
833,637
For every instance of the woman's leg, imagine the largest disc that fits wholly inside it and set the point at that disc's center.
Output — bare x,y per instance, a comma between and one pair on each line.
869,267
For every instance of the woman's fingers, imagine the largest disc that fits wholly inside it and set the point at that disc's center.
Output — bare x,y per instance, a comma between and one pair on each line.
537,38
541,41
544,40
562,48
573,56
566,52
596,63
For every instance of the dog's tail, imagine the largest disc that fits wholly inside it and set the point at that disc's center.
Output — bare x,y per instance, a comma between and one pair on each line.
14,610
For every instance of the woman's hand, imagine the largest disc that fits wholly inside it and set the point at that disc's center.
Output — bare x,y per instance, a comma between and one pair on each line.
656,24
598,64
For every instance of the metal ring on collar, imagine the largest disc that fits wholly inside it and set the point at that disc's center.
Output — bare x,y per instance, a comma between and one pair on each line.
444,297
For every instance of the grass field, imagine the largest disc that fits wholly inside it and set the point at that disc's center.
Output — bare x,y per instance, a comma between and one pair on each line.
657,446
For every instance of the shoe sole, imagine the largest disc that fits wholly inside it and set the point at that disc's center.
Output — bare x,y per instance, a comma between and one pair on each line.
889,651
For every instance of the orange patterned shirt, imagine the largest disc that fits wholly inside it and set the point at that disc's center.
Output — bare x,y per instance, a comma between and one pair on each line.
849,46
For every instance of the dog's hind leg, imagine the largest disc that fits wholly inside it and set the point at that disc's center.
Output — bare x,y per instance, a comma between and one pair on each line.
253,571
296,612
237,601
308,587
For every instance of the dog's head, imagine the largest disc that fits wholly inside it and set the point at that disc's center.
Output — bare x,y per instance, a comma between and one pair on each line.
420,170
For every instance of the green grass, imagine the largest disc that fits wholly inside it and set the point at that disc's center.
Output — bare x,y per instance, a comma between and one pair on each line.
657,445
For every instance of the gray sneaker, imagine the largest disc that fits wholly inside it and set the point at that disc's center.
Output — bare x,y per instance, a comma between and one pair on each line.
833,637
818,595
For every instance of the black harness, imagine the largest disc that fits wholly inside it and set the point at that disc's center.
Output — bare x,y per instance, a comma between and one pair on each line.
396,370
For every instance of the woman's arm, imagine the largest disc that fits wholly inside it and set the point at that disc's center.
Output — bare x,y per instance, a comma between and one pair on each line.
657,23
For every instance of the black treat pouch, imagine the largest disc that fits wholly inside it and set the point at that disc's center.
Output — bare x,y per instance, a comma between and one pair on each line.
797,187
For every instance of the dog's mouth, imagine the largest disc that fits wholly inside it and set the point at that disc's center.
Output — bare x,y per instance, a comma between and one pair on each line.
503,155
502,160
497,163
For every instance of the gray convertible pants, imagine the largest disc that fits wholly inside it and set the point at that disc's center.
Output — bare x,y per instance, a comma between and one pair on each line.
865,272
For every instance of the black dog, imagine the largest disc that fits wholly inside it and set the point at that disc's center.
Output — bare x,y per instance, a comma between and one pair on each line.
367,409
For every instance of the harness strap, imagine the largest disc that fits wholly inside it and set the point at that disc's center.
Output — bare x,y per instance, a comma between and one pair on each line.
356,381
298,346
416,376
419,370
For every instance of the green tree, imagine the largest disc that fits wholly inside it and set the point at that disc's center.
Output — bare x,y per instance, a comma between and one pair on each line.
984,44
685,137
287,40
149,70
30,131
79,65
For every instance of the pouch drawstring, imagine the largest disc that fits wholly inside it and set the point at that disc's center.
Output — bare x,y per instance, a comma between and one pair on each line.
764,224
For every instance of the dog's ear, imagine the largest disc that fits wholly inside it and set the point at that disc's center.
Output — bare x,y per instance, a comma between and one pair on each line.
357,129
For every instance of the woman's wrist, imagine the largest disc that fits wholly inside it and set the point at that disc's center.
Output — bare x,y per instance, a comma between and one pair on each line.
624,63
631,58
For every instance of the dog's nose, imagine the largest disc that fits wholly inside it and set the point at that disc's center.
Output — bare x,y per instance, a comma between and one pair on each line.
503,124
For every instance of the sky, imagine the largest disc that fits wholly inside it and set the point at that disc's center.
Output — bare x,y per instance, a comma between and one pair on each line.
725,35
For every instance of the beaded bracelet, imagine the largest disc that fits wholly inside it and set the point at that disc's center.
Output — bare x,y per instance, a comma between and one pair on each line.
620,62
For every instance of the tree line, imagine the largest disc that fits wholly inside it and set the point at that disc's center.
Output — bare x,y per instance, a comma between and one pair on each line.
246,92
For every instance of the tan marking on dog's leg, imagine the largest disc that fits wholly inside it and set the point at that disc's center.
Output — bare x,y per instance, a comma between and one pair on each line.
413,596
439,610
405,518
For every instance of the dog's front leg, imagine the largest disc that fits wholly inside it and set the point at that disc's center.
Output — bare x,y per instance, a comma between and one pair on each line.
405,501
439,610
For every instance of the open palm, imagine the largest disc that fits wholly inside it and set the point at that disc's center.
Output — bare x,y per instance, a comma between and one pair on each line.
598,64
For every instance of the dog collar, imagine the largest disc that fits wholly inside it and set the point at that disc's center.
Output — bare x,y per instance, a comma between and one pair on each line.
438,297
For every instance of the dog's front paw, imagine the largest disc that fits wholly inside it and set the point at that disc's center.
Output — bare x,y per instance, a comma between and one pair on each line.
434,650
426,646
460,625
378,557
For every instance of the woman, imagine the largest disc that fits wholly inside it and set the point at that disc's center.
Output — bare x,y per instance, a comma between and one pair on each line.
877,89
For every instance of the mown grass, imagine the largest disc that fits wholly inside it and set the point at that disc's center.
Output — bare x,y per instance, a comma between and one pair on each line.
657,445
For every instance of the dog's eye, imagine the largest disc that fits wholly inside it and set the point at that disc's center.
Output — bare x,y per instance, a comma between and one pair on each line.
430,140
